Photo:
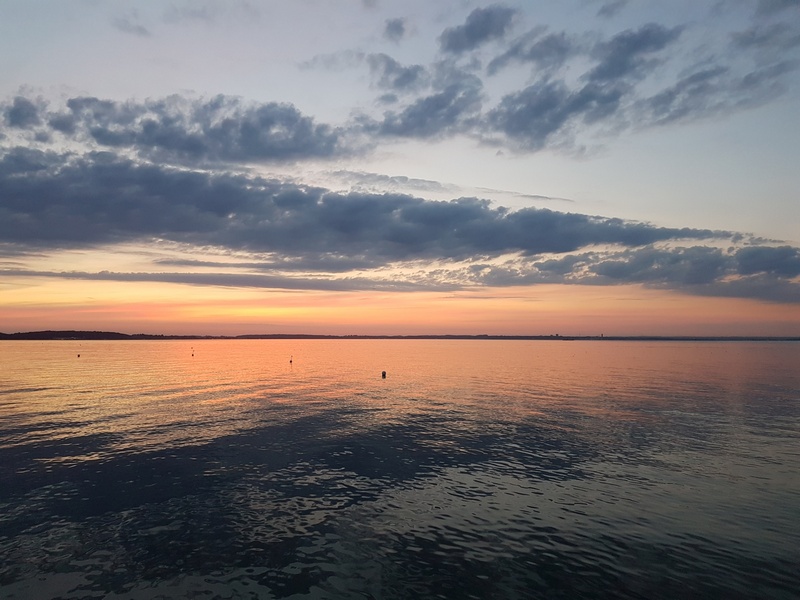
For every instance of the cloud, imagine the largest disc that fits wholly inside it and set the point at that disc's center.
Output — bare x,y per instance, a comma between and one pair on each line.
325,264
444,112
335,61
245,280
712,91
210,11
395,29
22,113
776,36
368,181
549,111
685,266
537,197
582,88
783,261
629,53
310,238
131,24
546,52
697,270
757,287
393,76
196,12
543,114
611,9
768,7
66,200
616,88
481,26
179,129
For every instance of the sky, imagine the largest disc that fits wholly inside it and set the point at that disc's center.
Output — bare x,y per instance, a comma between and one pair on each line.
581,167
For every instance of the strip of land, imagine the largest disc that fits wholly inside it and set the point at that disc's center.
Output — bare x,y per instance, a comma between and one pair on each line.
112,335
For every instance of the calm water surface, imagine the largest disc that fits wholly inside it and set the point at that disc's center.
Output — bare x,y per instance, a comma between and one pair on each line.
476,469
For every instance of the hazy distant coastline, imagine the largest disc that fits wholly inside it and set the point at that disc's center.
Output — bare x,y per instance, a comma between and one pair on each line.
113,335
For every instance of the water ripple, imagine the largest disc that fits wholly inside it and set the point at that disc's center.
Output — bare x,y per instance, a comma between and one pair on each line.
607,471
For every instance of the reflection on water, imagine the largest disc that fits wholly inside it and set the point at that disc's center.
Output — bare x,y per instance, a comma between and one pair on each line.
476,469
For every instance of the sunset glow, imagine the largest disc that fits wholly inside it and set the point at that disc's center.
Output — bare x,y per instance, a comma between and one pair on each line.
532,310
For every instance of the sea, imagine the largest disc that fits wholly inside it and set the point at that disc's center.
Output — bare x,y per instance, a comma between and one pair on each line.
265,469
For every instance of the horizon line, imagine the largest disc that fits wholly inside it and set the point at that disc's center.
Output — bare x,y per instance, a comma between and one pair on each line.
71,334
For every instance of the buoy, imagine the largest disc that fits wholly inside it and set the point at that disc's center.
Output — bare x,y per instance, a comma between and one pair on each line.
290,359
383,374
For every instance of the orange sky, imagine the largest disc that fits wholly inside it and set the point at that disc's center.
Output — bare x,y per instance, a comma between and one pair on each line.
533,310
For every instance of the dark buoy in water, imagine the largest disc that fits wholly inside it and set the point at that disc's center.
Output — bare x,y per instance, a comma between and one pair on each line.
383,374
290,359
79,355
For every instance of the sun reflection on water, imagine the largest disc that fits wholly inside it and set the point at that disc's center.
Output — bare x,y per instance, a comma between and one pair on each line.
504,467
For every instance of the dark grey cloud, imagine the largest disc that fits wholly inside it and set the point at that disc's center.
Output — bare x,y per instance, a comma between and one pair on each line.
576,88
552,110
482,25
684,266
22,161
768,7
579,85
783,261
631,53
387,99
178,129
131,24
565,265
444,112
697,270
393,76
544,113
65,200
395,29
546,52
688,96
532,115
612,9
757,287
615,90
65,123
22,113
775,36
307,237
713,91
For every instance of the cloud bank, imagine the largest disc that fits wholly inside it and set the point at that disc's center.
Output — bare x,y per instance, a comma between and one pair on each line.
90,172
495,79
309,237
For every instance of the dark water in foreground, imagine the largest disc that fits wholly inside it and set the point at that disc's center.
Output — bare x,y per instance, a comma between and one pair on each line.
476,469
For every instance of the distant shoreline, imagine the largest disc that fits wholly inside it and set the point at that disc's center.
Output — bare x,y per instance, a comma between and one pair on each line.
111,335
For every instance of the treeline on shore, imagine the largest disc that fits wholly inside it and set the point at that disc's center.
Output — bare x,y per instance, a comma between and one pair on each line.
112,335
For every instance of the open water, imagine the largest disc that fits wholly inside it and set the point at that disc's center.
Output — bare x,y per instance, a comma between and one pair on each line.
475,469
